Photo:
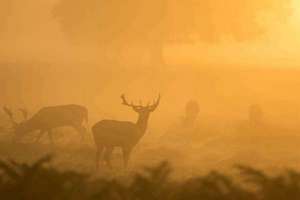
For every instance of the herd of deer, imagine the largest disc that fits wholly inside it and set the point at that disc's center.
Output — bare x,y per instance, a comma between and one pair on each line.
108,134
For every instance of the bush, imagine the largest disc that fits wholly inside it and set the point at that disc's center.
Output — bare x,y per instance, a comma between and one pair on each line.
41,181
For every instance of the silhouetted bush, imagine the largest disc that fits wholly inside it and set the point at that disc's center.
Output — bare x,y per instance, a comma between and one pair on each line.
41,181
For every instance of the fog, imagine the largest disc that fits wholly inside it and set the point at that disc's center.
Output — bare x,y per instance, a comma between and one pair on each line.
224,55
71,31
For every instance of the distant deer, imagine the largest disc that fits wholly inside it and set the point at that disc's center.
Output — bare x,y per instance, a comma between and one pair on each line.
109,134
48,118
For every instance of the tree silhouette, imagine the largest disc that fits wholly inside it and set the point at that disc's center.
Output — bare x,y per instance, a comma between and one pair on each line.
155,23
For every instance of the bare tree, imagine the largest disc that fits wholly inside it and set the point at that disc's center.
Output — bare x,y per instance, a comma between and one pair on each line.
154,24
109,134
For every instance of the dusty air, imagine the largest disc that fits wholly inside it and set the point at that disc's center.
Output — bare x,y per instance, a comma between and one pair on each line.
158,99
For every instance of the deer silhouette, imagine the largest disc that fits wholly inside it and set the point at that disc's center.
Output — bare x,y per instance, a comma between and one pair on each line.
48,118
109,134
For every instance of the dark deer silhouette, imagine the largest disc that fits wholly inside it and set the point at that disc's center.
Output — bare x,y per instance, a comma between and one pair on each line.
109,134
48,118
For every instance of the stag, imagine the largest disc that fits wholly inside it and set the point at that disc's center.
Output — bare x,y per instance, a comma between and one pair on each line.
48,118
109,134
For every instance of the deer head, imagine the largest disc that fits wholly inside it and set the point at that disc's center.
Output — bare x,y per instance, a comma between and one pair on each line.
143,111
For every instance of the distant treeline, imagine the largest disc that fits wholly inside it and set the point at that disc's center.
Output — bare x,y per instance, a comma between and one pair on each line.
41,181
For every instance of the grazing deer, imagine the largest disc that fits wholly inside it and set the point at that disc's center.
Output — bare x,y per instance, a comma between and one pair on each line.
109,134
48,118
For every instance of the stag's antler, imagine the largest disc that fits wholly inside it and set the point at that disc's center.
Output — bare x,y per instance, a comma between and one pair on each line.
125,102
155,104
139,107
10,114
24,113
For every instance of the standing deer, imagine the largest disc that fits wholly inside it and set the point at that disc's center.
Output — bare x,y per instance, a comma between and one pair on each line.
48,118
109,134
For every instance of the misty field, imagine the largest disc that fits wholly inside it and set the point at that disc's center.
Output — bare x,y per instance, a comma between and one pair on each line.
187,161
219,138
188,158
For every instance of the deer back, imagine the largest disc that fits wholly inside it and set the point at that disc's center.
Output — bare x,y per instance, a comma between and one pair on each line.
113,132
56,116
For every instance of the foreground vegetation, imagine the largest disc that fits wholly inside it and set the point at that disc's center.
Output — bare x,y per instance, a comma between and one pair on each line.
42,181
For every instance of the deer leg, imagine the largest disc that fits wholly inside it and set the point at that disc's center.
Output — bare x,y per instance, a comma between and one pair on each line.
99,152
107,156
50,136
81,130
126,156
